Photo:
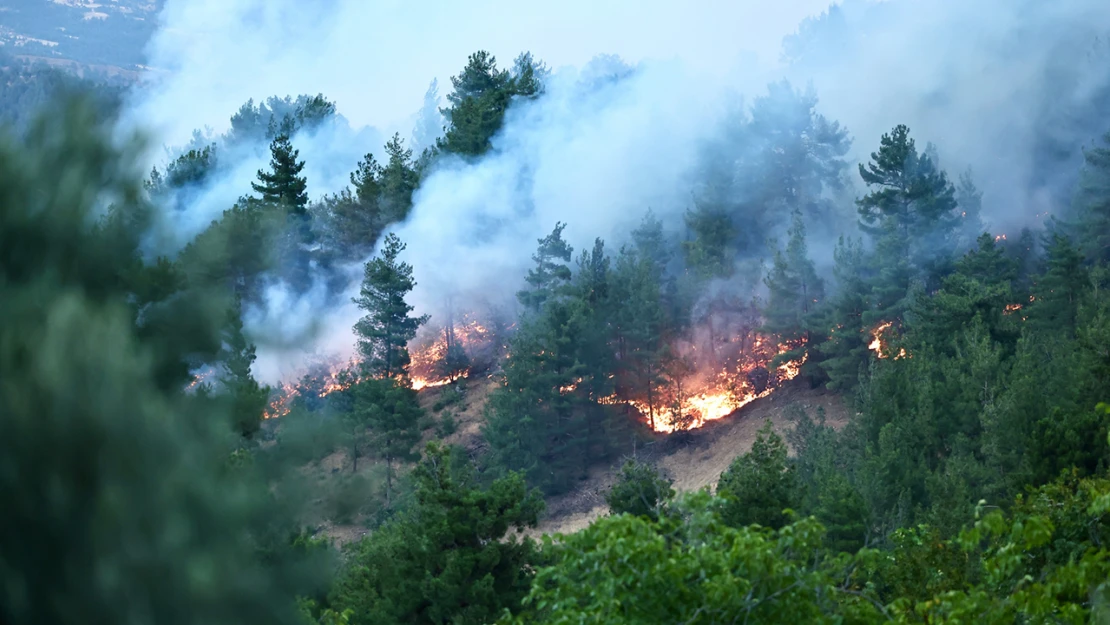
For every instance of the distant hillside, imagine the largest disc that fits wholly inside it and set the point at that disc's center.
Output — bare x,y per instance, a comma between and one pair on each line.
109,33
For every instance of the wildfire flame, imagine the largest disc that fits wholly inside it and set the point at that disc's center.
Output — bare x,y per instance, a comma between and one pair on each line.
722,394
876,345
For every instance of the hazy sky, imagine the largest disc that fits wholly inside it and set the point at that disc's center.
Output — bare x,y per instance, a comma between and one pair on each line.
376,57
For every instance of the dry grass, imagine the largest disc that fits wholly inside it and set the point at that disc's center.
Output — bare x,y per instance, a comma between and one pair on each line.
696,459
693,460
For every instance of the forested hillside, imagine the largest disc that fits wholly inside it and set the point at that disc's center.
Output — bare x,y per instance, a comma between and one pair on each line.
151,473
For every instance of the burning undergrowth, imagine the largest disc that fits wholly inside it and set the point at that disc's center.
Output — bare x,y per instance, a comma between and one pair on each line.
724,364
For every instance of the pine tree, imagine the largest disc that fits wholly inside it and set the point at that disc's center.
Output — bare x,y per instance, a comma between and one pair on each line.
795,289
247,396
1058,291
760,484
283,184
385,331
391,417
640,329
912,207
482,94
452,558
969,199
1092,202
398,180
549,276
429,123
640,490
845,350
710,252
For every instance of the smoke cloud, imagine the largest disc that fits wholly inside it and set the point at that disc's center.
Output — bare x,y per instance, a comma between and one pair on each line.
1011,89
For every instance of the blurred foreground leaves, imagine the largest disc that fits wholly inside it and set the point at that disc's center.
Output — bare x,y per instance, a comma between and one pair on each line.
119,502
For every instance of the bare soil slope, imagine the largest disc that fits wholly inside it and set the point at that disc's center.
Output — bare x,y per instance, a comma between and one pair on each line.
693,459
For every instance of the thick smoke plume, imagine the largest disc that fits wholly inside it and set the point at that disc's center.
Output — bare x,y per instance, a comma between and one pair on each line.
1010,89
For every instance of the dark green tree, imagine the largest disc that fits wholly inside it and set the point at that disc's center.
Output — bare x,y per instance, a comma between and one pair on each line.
283,185
911,207
759,485
969,199
121,504
482,93
383,334
551,273
397,180
640,490
1091,205
1058,290
451,558
390,415
844,352
795,291
248,397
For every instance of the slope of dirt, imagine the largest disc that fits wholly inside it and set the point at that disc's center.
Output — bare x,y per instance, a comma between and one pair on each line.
694,459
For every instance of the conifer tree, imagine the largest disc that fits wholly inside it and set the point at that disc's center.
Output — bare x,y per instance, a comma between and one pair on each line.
283,184
795,289
1092,202
911,211
1058,291
482,93
710,252
429,123
391,416
384,332
247,396
454,558
640,330
760,484
969,199
550,275
845,350
398,180
640,490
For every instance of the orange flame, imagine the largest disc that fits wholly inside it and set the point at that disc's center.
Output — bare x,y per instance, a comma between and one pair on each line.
876,345
724,394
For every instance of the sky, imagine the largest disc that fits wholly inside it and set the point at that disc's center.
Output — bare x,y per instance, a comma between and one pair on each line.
375,58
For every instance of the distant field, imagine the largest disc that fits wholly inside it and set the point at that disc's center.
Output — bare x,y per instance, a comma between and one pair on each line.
107,34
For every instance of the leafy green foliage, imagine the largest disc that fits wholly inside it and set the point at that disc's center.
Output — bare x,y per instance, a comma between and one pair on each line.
121,503
691,567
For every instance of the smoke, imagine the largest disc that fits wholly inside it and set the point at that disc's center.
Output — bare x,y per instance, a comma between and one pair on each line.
1008,88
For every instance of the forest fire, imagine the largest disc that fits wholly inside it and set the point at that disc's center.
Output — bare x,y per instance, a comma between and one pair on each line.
876,345
749,377
438,357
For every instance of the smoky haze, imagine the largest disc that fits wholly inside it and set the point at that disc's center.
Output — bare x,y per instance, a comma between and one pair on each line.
1010,89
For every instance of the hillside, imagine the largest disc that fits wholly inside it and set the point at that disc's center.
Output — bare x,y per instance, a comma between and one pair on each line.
693,460
100,35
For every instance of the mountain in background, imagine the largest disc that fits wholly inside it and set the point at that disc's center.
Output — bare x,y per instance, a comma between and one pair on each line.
109,34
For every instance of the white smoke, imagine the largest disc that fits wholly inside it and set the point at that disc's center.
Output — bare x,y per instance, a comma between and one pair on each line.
975,77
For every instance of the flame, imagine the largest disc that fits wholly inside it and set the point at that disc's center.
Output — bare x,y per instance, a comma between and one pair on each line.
724,393
876,345
429,351
1011,308
1000,237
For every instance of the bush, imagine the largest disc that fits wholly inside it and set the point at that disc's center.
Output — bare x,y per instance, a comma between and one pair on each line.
639,491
